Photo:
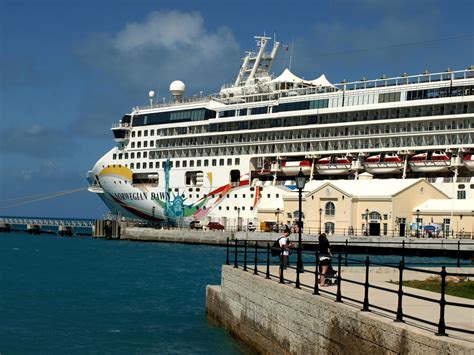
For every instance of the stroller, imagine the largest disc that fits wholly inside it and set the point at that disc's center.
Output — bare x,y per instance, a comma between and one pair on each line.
330,276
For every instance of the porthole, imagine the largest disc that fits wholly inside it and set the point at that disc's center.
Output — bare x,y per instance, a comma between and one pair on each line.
461,186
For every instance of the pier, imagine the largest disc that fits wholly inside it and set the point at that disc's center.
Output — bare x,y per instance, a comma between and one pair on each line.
34,225
367,310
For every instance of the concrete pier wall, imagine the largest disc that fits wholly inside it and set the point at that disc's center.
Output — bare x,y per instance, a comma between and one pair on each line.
278,319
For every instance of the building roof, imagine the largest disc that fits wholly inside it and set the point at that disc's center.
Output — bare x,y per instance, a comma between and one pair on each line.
445,205
365,188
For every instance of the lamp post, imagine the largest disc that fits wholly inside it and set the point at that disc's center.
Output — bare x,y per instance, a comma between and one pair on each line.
366,221
320,219
238,219
153,217
300,182
417,219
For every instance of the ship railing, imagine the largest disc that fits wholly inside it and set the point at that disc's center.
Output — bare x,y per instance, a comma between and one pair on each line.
120,125
189,100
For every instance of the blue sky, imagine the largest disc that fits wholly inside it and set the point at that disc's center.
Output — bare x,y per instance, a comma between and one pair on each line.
69,69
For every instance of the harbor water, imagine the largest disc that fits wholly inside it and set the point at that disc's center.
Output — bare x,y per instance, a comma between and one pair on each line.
84,295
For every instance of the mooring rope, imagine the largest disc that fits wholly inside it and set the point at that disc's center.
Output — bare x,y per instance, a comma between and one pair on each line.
40,197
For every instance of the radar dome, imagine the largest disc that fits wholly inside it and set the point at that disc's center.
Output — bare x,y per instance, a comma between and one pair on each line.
151,94
177,88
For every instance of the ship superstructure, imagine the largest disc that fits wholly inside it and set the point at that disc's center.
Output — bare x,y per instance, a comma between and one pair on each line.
225,156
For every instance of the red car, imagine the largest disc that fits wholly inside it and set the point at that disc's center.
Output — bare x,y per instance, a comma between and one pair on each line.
215,226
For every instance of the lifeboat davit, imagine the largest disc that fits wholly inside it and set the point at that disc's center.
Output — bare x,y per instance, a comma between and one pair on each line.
430,162
334,165
388,163
293,167
469,162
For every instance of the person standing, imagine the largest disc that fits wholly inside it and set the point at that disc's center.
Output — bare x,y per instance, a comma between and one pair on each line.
285,246
325,255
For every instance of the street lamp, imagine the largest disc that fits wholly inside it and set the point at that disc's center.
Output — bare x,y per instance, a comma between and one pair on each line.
366,221
417,219
153,216
320,218
238,219
300,182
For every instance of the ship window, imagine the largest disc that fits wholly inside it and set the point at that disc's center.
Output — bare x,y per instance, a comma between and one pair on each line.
214,162
114,156
191,163
229,161
461,186
227,208
139,133
139,144
221,162
145,144
237,161
206,162
235,177
132,155
132,165
220,208
133,145
139,154
251,208
120,156
268,195
171,164
185,163
152,132
157,165
198,163
126,155
138,165
461,195
178,164
145,133
152,143
243,112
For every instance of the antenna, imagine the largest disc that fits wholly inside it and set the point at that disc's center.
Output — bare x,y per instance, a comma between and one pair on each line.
291,52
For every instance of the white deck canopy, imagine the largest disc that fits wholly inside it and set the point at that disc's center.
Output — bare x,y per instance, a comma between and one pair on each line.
321,81
288,77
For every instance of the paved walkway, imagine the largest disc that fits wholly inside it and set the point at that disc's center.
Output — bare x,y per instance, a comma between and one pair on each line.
459,317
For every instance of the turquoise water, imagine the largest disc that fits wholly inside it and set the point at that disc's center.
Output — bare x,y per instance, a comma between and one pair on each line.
83,295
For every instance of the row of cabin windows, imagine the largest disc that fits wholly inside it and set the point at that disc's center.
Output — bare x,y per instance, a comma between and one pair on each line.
139,144
145,133
236,208
177,163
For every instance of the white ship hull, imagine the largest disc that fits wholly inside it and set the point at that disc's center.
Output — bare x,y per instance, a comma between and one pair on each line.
430,167
333,169
383,168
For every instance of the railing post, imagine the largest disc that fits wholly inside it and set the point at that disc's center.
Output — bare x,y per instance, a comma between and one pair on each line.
403,251
345,252
245,255
282,278
268,261
459,254
316,273
400,293
255,272
236,265
227,262
298,269
365,308
338,294
442,304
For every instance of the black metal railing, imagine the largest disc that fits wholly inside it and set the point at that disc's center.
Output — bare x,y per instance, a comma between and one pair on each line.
259,252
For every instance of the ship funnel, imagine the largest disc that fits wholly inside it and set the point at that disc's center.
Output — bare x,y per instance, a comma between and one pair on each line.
177,89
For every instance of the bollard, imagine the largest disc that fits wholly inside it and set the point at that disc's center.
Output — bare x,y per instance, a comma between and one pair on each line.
400,293
245,255
227,252
442,304
338,294
235,254
268,261
365,308
316,273
255,272
345,254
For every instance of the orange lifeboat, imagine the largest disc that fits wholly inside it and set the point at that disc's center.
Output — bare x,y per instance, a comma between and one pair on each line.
430,162
334,165
388,163
293,167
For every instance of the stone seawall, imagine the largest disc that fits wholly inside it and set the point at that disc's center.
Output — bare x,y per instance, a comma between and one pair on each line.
277,319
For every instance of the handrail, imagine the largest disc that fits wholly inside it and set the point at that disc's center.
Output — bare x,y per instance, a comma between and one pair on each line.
245,250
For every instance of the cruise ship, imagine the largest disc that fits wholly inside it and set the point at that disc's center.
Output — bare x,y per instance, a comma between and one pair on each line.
225,156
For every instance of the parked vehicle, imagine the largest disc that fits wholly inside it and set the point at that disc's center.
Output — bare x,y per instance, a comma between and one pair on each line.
195,225
215,226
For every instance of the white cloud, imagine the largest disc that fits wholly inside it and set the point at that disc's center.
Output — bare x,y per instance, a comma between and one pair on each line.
165,46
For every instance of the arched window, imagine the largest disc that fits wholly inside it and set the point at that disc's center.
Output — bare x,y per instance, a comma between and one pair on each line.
375,216
330,209
329,228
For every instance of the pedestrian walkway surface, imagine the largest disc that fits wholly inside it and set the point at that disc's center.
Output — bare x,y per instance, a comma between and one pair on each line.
459,317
